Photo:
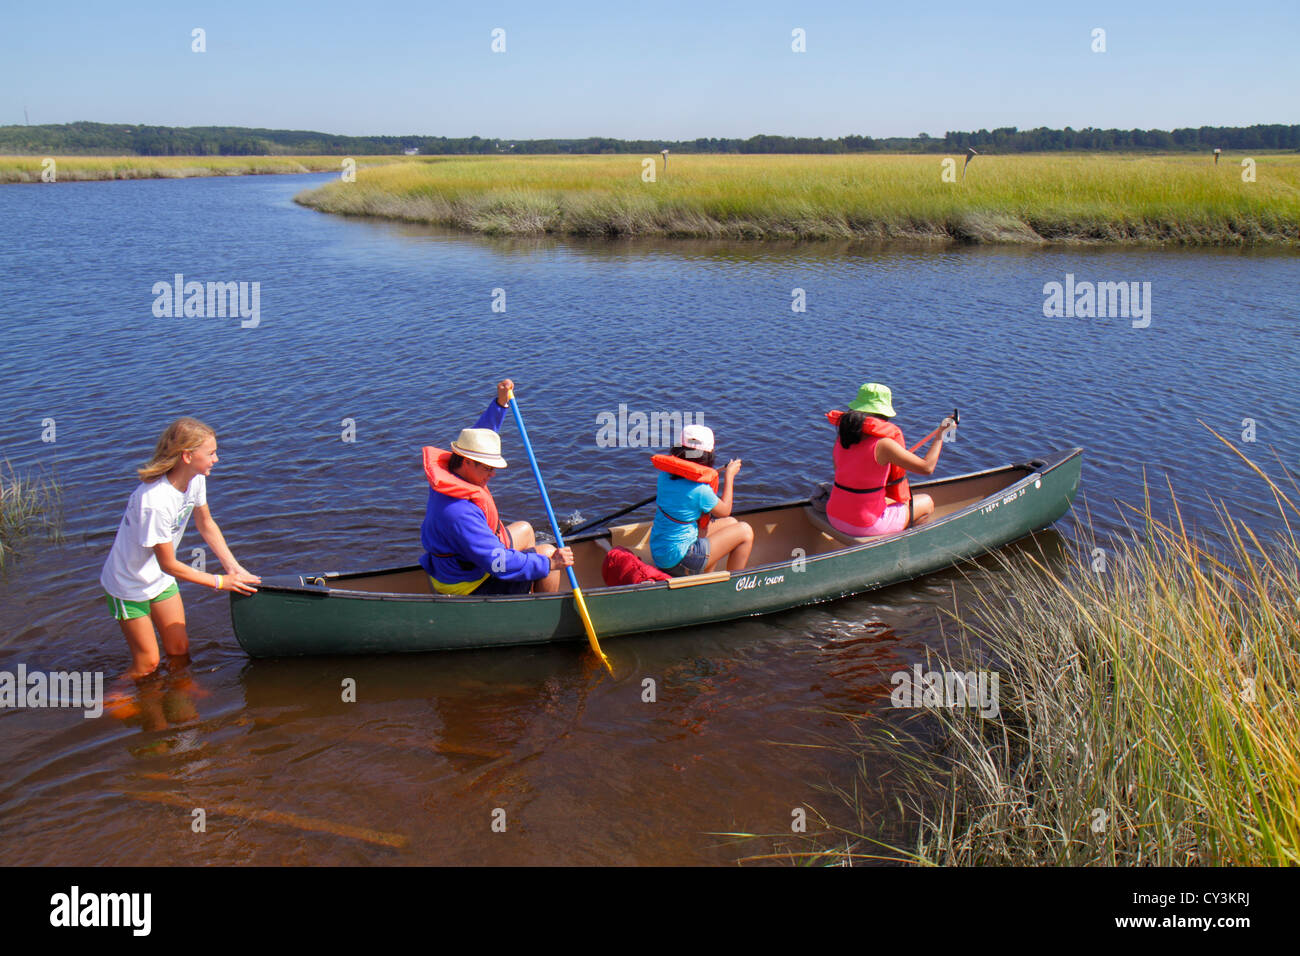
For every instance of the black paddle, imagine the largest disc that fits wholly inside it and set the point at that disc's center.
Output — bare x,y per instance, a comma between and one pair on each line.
617,514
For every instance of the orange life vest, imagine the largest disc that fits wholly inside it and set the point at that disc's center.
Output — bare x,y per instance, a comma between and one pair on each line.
443,481
895,484
688,469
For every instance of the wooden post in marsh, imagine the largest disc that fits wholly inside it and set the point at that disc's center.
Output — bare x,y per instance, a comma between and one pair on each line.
1216,156
970,154
665,152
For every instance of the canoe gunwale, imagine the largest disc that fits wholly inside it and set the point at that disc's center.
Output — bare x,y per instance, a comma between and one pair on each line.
1034,468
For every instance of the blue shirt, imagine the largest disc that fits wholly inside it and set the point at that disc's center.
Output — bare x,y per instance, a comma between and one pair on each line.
458,527
686,501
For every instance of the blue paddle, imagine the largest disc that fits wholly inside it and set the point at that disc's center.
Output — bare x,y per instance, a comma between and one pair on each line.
559,538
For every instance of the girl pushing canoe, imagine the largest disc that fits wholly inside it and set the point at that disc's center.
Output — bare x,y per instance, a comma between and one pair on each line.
139,577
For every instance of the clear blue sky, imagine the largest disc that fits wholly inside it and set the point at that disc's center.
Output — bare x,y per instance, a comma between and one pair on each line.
652,69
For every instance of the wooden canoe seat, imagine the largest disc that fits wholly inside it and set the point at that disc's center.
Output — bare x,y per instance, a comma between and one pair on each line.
818,520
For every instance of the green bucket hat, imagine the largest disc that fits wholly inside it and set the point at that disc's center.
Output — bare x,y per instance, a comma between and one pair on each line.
874,400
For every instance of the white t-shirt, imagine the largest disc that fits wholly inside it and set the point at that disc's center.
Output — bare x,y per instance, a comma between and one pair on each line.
157,512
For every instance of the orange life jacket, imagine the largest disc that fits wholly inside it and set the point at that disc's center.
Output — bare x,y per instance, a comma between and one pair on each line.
896,485
443,481
688,469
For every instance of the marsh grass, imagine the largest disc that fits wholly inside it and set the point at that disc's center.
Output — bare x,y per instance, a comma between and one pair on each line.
27,169
1148,714
27,505
1023,198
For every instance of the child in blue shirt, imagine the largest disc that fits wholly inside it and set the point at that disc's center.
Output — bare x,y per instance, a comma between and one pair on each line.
675,543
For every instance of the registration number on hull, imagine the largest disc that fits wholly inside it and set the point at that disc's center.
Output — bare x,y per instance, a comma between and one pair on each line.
993,505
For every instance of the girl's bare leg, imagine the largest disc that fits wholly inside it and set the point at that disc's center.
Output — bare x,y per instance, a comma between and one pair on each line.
922,508
169,617
143,644
731,538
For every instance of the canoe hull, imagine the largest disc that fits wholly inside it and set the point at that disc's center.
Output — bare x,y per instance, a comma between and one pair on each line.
291,618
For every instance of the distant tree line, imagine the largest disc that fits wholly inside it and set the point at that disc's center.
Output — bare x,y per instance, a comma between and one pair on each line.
105,139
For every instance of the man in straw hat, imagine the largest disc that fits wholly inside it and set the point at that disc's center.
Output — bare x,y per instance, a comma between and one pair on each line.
467,548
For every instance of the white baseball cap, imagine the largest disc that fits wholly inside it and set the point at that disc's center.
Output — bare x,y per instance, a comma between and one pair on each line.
697,437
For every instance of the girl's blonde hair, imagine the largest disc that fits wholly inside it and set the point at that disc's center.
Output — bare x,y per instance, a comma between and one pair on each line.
184,434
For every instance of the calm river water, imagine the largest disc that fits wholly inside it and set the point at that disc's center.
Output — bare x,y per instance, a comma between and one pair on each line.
393,328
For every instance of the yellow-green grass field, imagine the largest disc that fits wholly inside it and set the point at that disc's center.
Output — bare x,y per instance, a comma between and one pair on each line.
28,169
1110,197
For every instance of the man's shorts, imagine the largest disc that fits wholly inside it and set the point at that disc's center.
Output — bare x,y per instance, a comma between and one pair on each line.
693,561
125,610
495,586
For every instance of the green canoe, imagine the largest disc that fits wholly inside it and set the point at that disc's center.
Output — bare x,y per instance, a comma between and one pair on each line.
794,562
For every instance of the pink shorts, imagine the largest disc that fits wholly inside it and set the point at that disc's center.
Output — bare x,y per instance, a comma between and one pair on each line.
894,518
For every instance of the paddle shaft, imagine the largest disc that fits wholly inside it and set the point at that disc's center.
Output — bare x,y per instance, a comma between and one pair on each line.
559,538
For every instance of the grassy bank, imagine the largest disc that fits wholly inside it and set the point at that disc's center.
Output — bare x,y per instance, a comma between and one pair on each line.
1024,199
1148,714
27,505
27,169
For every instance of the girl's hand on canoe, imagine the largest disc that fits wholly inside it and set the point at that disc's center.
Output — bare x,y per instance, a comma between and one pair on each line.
563,558
238,570
241,582
504,387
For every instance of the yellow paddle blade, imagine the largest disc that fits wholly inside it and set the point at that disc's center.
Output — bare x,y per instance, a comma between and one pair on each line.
591,631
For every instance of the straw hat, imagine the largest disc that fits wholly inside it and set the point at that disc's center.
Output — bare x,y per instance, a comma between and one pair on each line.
482,445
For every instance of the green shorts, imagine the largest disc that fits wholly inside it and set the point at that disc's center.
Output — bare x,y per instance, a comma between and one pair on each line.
128,610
